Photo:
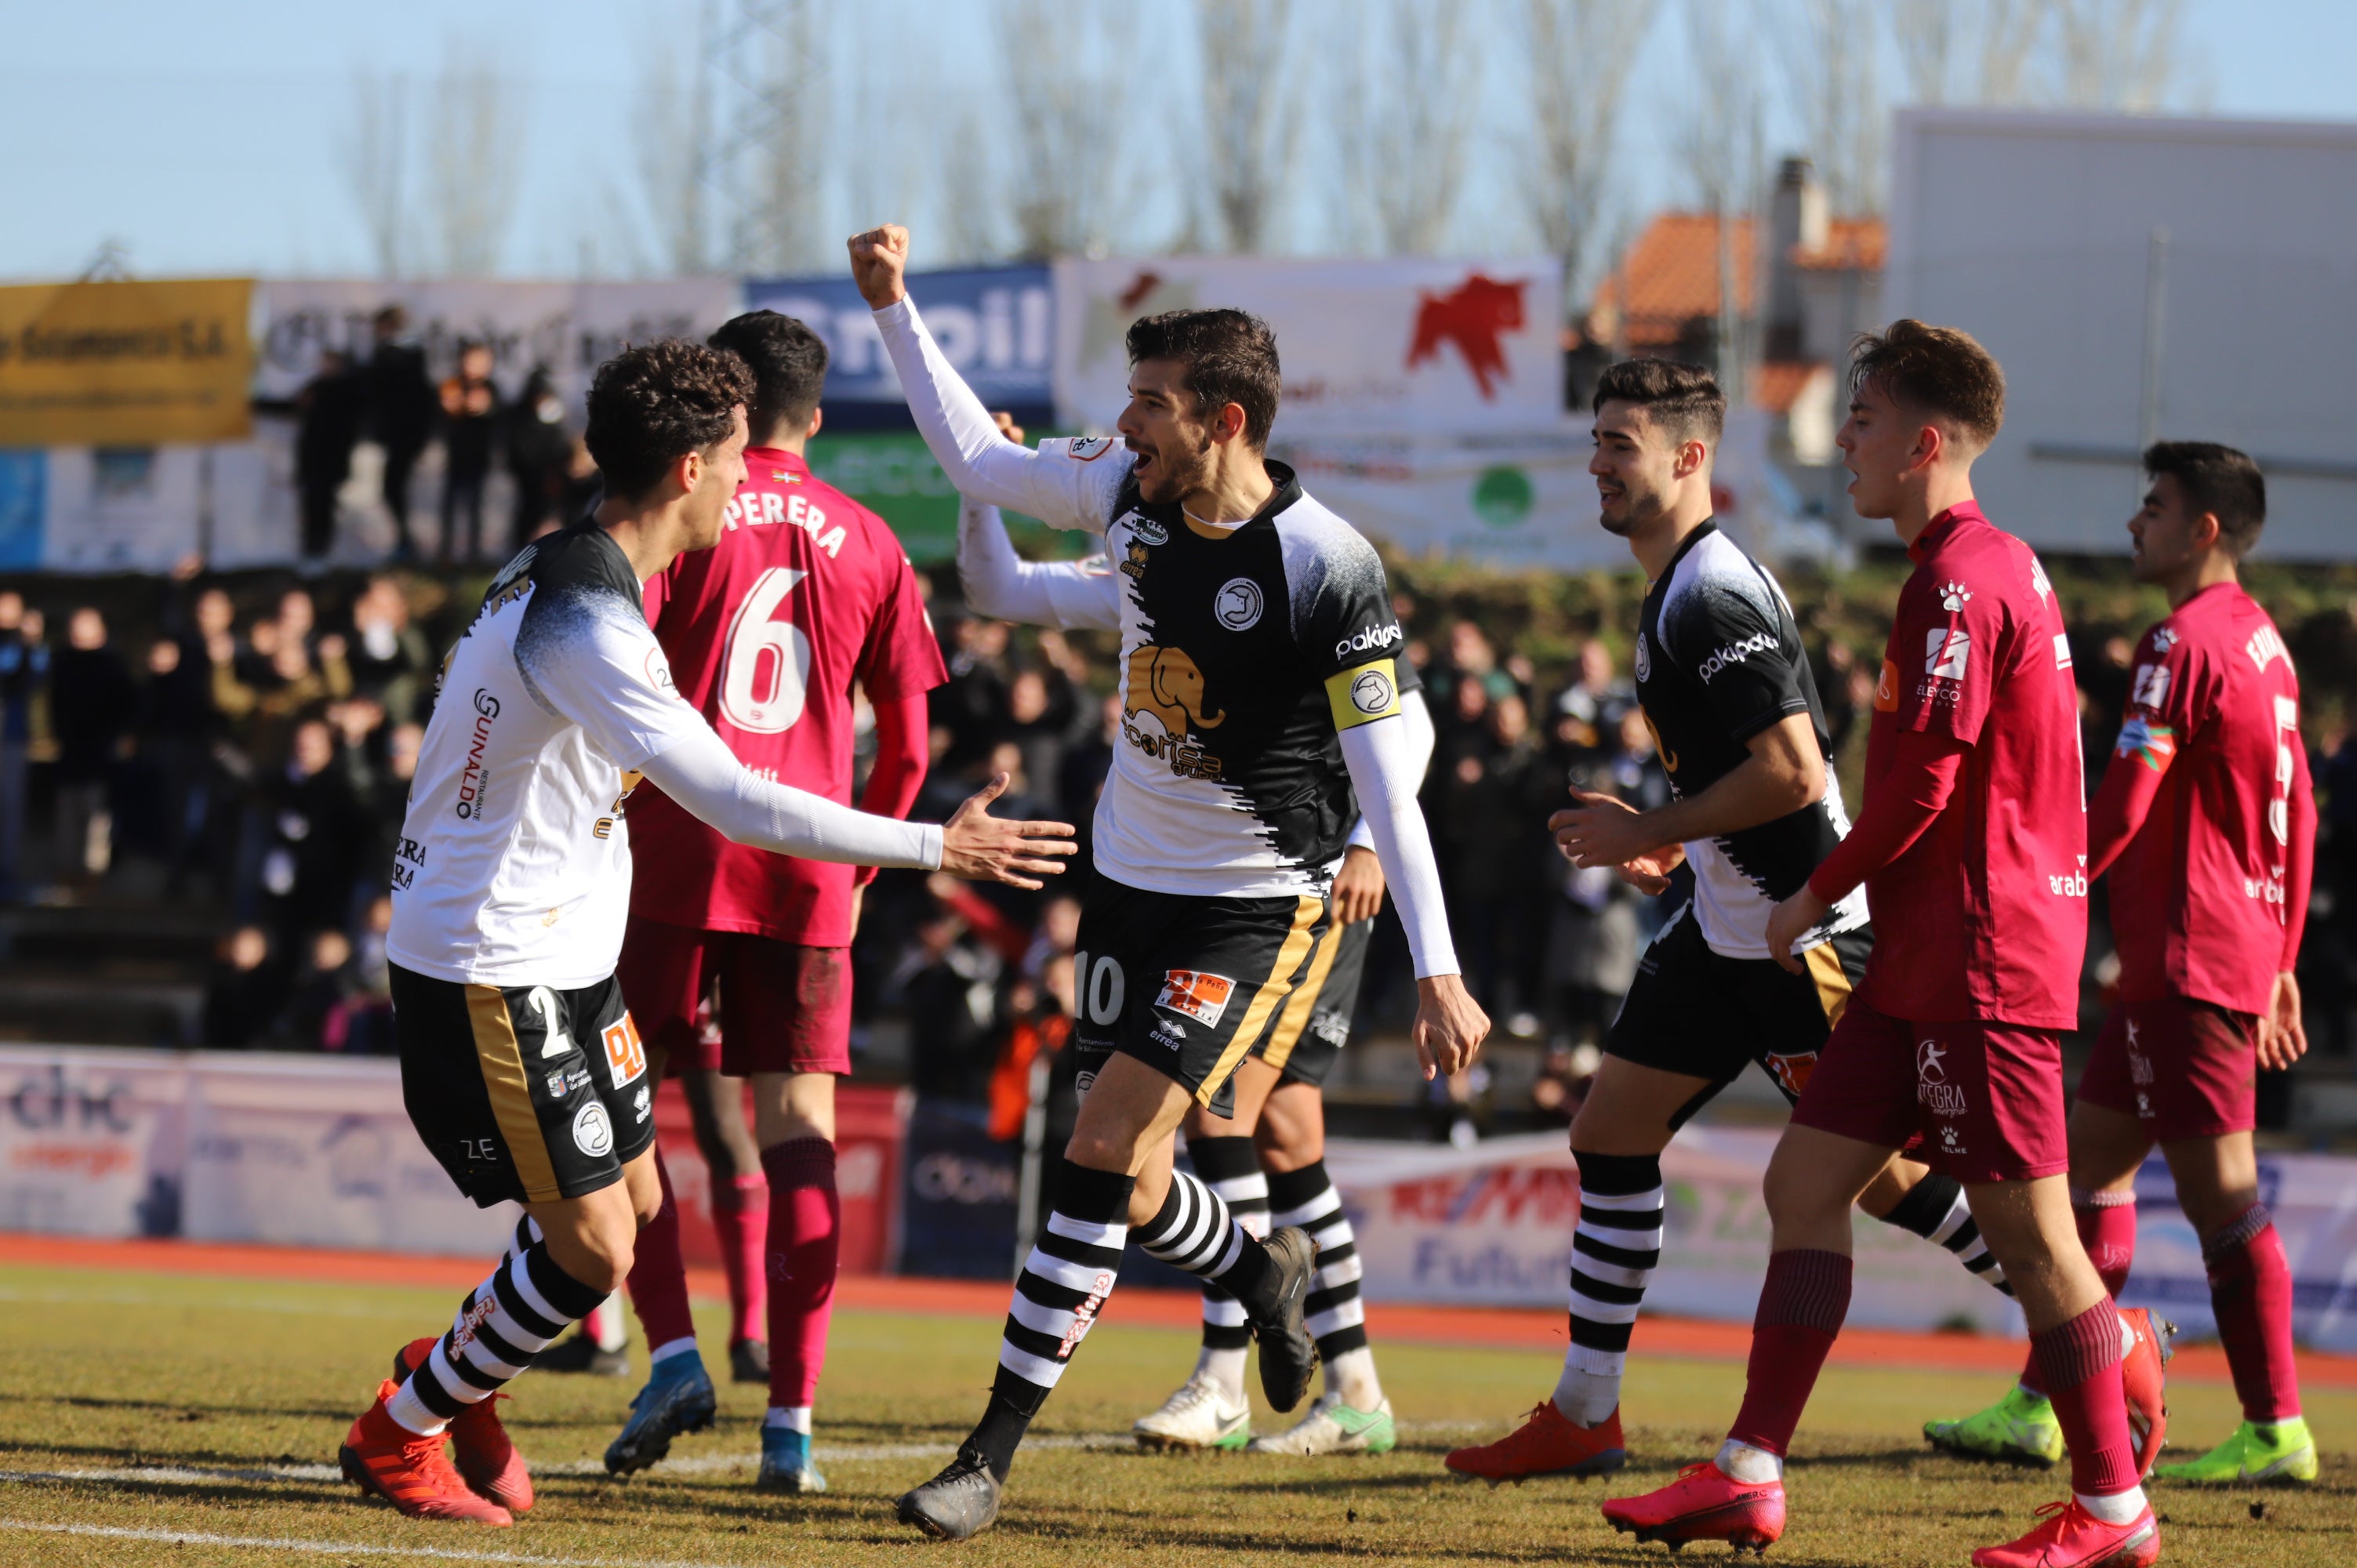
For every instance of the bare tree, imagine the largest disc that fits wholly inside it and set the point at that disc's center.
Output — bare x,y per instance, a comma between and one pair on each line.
1577,53
373,152
672,130
2118,54
1068,101
1250,126
1718,137
769,158
1829,69
1967,51
1409,86
967,185
473,152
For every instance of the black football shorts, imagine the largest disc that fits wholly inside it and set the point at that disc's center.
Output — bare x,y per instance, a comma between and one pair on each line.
1187,985
1314,1025
1699,1013
524,1093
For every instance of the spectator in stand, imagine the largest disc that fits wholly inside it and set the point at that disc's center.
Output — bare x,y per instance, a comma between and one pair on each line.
94,703
244,992
973,705
312,1017
581,488
368,1029
470,424
951,979
329,411
1501,878
401,405
307,835
263,690
1585,716
538,449
23,679
1087,759
1844,689
391,661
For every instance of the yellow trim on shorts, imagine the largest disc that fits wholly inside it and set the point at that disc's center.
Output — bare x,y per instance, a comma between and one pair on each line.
1303,999
1833,980
1289,954
501,1061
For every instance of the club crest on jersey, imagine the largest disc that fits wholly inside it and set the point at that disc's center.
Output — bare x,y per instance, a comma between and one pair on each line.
1238,604
593,1129
1149,530
1953,596
1202,997
1644,656
1089,448
1372,692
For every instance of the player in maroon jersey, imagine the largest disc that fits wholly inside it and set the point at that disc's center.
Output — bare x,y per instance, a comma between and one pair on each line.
1972,847
2207,824
807,593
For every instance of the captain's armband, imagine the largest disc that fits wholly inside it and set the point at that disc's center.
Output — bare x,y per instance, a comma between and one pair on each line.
1363,694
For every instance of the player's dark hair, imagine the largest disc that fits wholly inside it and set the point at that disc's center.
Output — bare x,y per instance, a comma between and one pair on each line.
2219,480
1937,371
1230,358
651,405
788,361
1684,400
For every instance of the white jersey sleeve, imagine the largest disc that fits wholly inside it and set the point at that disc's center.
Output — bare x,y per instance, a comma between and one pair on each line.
1067,595
1066,483
588,661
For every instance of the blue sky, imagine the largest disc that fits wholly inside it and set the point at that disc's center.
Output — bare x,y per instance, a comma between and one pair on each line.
204,139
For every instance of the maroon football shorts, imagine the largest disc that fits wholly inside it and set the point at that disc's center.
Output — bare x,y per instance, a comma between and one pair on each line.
2184,1068
1985,1097
781,1006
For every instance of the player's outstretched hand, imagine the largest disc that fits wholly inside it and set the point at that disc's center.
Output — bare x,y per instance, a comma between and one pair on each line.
1650,874
879,260
984,848
1791,921
1602,830
1358,886
1449,1024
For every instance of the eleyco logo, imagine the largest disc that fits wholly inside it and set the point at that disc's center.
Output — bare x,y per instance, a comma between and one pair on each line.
1368,640
1733,653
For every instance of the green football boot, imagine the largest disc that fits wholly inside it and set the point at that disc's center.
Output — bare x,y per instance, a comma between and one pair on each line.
2019,1428
1333,1427
2284,1452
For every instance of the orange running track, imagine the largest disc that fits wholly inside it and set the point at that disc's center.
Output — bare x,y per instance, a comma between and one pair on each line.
1500,1328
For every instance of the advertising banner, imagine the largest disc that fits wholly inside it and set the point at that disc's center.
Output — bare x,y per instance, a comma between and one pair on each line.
93,1143
1512,500
957,1208
1402,346
125,364
996,325
569,328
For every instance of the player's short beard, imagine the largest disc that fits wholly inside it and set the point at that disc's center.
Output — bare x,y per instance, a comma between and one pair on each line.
1176,479
1620,527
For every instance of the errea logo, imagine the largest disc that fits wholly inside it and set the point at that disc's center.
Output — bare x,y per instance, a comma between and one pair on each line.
1368,640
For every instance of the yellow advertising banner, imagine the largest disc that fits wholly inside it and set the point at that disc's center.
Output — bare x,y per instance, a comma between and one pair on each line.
125,364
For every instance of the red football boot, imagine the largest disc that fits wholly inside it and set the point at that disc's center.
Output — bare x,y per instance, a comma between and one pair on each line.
410,1472
486,1457
1704,1504
2144,1351
2068,1536
1547,1443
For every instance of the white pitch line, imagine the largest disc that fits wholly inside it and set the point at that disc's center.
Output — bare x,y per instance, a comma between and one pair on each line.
338,1548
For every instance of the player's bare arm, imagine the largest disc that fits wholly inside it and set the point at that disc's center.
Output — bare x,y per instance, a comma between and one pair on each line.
984,848
1358,886
1784,772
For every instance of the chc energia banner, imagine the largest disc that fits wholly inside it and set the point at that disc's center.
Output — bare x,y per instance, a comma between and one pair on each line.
1397,347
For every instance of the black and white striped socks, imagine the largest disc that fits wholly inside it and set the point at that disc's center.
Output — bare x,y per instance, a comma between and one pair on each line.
521,1309
1058,1295
1935,1209
1614,1251
1336,1317
1230,1168
1195,1231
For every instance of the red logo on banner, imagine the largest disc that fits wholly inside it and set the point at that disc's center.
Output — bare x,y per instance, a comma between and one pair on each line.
1473,317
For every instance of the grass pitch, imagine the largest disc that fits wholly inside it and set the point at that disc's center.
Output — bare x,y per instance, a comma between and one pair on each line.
153,1420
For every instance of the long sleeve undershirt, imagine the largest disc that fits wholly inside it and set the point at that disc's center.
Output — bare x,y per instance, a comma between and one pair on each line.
707,781
1386,774
1898,808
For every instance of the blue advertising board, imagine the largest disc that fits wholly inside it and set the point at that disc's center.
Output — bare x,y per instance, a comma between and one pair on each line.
996,325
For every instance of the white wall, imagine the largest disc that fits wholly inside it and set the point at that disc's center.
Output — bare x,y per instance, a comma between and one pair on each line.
2032,232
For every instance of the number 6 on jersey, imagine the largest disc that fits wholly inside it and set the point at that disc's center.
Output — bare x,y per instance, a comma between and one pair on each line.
762,695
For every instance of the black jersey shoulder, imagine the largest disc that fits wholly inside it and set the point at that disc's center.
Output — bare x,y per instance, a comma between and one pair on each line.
573,582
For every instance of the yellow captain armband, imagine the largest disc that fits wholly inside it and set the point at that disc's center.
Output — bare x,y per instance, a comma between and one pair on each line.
1363,694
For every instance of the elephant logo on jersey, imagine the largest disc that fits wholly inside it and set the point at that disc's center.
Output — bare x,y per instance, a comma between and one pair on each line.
1166,686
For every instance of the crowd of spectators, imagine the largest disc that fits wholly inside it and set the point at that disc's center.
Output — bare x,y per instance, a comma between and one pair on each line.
255,756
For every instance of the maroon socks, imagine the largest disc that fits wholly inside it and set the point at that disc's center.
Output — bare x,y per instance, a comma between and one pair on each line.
2079,1365
658,1281
741,1215
805,1243
2250,1290
1801,1309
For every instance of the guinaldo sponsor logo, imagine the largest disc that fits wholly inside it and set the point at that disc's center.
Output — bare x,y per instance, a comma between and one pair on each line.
472,776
